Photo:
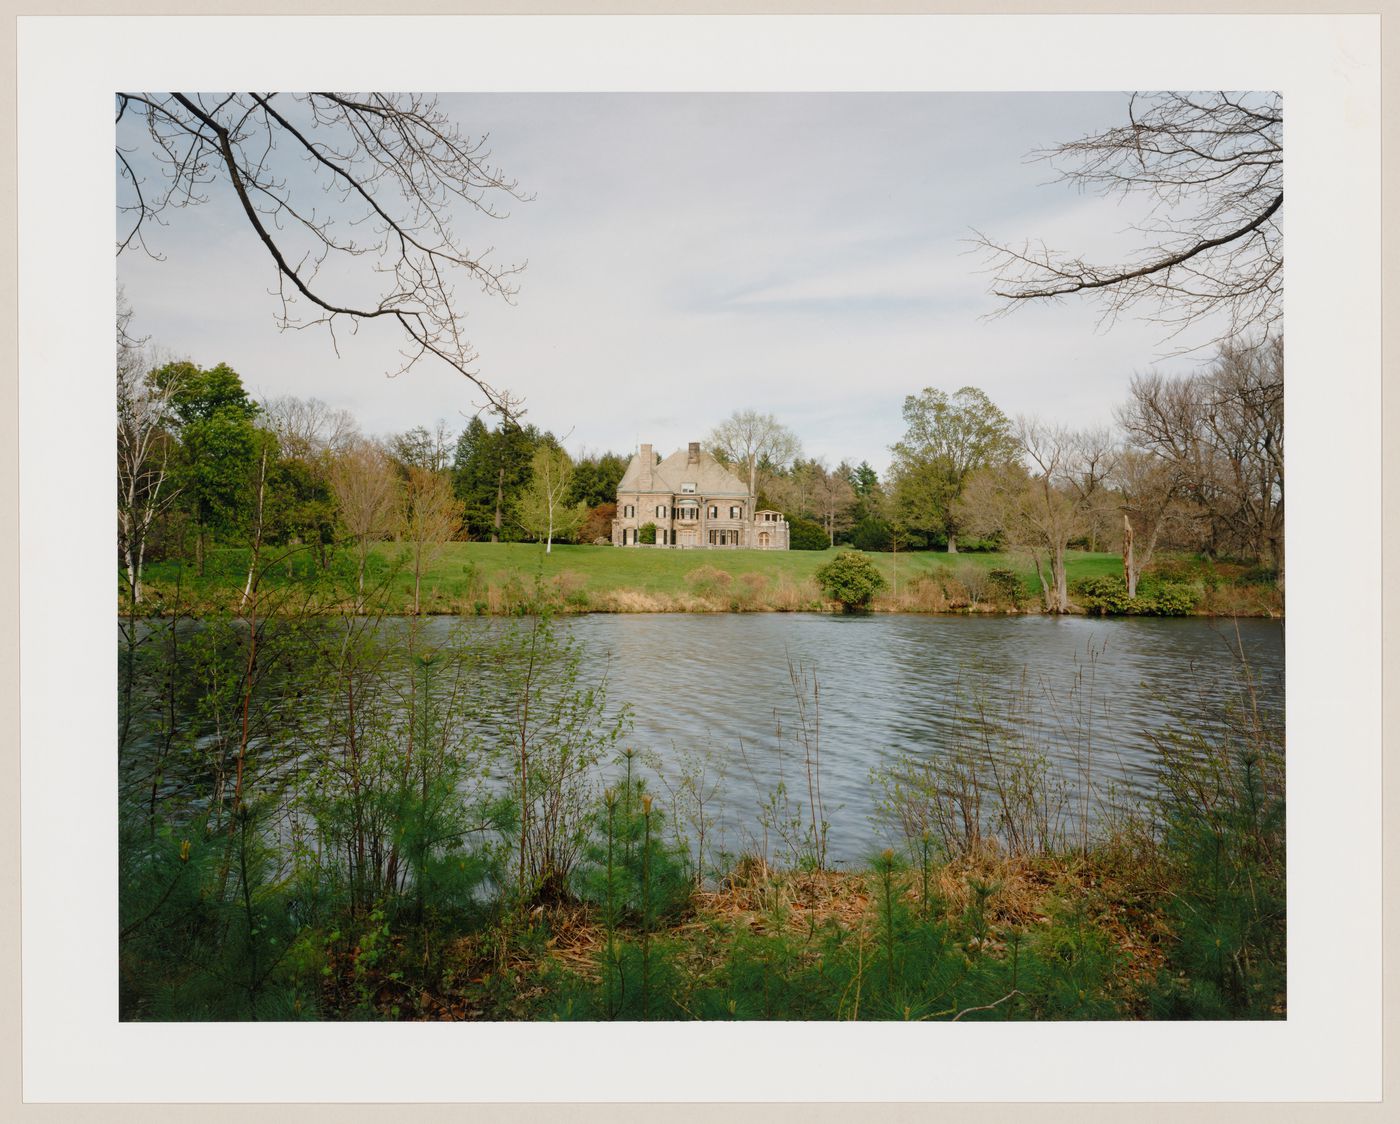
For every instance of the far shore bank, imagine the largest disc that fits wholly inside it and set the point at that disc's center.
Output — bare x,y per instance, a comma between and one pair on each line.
507,579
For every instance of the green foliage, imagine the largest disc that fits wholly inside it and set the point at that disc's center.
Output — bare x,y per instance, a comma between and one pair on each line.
596,478
1170,599
871,534
490,471
646,534
217,444
1007,587
1223,810
551,730
850,579
1107,595
804,534
639,882
947,439
206,923
1103,595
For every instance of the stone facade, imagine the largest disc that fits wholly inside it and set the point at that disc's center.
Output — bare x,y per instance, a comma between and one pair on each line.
696,504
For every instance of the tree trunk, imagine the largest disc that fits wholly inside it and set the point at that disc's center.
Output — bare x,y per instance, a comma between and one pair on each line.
500,488
1130,576
1044,585
952,542
258,527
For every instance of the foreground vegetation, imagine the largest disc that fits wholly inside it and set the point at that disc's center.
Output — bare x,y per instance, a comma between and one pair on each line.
465,578
327,818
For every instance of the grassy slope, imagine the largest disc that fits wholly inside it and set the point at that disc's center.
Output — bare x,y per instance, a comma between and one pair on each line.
603,577
605,568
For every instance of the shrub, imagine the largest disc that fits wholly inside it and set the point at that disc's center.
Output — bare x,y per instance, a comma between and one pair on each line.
974,581
1170,600
803,534
850,579
646,534
1006,587
1104,595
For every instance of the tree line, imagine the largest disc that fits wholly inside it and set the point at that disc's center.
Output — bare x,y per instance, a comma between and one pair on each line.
1195,463
201,463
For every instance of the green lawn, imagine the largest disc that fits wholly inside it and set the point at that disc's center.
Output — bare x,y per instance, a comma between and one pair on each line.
496,577
601,569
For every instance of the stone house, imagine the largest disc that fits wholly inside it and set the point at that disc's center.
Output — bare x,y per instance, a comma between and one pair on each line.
695,502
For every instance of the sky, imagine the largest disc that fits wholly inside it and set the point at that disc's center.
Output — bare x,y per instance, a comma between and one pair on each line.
689,255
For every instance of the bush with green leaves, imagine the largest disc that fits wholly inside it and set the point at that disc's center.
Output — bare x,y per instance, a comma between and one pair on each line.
1103,595
1171,599
646,534
804,534
1006,587
850,579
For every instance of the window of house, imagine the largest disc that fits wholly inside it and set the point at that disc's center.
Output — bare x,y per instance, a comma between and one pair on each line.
736,513
661,511
688,488
714,511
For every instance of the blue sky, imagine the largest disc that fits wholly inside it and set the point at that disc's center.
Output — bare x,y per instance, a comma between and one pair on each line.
689,255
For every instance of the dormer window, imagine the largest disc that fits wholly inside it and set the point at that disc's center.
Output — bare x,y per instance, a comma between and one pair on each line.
688,489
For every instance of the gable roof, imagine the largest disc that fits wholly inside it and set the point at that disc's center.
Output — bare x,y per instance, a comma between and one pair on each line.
709,476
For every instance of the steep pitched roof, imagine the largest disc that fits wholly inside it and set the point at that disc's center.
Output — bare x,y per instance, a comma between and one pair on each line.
709,476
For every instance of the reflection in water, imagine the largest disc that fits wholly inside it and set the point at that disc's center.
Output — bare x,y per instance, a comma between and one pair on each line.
891,684
717,689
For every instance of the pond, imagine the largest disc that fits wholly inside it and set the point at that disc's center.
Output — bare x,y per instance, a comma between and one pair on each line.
1093,695
750,699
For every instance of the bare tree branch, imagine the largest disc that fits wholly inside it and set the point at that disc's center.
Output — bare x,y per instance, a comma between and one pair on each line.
1212,168
398,171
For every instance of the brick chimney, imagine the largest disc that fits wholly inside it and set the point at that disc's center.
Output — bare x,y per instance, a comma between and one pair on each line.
694,456
648,461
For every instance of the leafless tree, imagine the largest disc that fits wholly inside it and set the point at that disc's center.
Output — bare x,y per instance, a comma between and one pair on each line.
1153,510
1221,434
389,171
1211,165
144,446
1037,511
431,516
835,498
421,447
1095,457
306,427
747,438
363,480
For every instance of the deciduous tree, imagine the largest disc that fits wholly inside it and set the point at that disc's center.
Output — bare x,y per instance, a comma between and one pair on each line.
544,508
947,439
144,449
363,480
747,438
430,516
